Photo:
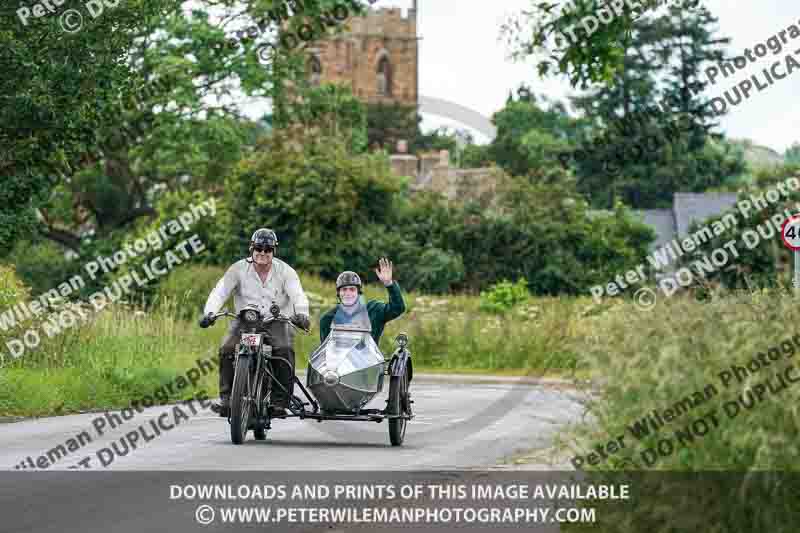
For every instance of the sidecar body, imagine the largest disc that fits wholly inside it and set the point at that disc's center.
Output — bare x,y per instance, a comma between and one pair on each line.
346,371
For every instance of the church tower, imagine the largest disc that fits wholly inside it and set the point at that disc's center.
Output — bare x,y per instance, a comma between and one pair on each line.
376,55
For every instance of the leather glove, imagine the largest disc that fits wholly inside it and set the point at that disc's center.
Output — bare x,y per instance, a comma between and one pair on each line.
206,320
301,321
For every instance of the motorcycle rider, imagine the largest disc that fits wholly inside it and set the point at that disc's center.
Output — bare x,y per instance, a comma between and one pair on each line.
348,292
259,279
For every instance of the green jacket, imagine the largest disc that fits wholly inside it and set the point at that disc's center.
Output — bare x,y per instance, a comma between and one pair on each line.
379,313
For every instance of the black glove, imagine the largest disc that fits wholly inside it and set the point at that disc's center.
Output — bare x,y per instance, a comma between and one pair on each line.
301,321
207,320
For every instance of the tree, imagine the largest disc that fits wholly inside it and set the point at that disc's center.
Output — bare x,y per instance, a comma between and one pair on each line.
530,136
132,116
329,206
389,123
584,39
335,111
51,85
647,143
792,154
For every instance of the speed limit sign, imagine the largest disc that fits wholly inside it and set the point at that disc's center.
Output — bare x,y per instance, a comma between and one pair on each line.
790,233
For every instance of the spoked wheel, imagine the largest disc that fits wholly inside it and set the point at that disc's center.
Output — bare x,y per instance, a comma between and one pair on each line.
398,405
262,400
241,401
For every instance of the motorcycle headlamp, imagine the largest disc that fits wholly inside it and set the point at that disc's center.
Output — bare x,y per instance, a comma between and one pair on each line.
251,316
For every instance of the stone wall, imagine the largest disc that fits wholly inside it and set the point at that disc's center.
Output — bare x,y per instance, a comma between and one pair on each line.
432,172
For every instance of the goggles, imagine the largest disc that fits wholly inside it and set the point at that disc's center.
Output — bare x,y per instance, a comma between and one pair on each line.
262,249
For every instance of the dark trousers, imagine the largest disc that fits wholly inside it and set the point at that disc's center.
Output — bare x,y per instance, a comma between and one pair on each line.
283,373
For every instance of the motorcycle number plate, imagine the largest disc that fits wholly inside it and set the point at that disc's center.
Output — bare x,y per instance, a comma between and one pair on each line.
251,339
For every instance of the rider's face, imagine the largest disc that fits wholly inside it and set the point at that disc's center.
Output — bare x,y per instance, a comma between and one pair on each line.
263,256
349,295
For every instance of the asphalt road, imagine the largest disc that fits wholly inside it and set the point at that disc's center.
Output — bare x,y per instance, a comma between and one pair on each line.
458,425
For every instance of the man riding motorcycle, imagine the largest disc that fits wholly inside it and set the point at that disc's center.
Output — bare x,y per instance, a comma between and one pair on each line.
375,314
258,280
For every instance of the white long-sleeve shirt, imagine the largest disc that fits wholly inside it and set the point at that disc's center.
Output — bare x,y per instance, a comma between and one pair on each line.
282,286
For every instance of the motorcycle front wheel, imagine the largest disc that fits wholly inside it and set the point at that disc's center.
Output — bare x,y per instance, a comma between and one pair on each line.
241,400
398,405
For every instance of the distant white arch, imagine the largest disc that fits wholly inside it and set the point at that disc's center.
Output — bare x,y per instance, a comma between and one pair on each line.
463,115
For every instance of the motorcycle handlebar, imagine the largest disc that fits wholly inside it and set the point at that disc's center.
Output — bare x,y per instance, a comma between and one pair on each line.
268,320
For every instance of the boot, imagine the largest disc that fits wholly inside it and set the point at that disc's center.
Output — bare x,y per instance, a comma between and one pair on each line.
222,407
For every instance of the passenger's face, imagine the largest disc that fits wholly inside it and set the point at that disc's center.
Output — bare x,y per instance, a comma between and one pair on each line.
349,295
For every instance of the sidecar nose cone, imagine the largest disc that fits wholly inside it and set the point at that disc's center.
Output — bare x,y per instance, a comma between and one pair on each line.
331,378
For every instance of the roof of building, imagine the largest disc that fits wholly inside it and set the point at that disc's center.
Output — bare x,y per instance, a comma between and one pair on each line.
697,207
663,223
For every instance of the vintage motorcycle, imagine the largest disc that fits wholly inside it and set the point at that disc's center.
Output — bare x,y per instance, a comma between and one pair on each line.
344,373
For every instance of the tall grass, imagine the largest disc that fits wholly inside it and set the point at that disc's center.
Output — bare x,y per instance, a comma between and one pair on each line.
737,473
651,360
127,351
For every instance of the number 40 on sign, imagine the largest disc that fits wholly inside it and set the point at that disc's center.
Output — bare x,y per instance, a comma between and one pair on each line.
790,233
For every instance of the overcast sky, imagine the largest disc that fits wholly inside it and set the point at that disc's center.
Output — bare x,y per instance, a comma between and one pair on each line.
462,60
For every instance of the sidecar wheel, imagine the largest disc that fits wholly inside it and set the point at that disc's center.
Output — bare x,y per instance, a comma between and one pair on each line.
398,392
240,409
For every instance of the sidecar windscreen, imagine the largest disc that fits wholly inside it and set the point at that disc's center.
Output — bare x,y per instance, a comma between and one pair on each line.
355,316
346,371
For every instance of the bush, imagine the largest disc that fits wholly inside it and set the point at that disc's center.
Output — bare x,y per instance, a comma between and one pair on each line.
36,262
545,235
755,265
436,271
321,201
12,292
504,296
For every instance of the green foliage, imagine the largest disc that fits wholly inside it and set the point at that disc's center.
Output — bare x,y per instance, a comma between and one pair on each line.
170,208
504,296
12,292
186,290
317,197
792,155
650,126
541,31
140,123
439,139
476,156
336,112
389,123
756,264
435,271
544,234
35,262
530,137
51,88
